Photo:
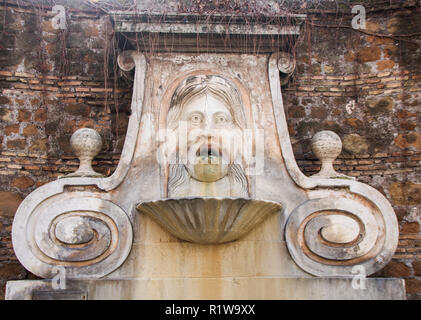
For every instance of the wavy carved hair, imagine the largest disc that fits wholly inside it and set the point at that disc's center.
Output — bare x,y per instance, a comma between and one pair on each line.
206,84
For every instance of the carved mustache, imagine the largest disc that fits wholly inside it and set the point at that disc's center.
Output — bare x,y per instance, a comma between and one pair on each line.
214,143
207,147
202,146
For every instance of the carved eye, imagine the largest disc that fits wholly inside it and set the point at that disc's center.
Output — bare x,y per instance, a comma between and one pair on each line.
196,118
222,119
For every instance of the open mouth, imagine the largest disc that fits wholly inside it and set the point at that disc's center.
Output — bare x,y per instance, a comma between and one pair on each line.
208,154
207,163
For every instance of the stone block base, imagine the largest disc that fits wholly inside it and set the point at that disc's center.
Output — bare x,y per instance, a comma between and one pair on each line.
256,288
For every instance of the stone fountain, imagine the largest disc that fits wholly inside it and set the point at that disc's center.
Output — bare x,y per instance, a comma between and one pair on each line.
207,201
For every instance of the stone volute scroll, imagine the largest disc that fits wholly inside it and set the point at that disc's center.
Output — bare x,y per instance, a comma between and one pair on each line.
286,66
344,223
72,222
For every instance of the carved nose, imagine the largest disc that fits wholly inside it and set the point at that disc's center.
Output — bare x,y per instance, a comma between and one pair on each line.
208,129
209,133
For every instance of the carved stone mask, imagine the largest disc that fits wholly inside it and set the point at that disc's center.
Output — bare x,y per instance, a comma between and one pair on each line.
206,111
211,131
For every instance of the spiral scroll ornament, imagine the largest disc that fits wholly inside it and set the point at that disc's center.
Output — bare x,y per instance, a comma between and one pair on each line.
89,237
125,60
329,236
286,65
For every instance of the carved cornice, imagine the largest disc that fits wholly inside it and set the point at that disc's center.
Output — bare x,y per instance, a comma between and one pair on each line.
208,33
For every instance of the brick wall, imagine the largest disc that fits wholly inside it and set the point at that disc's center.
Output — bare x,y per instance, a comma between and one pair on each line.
364,87
368,90
52,82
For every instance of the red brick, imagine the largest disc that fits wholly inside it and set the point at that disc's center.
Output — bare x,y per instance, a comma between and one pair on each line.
385,64
410,227
12,271
368,54
396,269
372,81
22,182
86,123
83,89
104,90
394,85
24,115
11,129
78,109
30,130
16,144
6,73
39,145
416,265
413,286
24,75
412,139
405,114
40,115
9,202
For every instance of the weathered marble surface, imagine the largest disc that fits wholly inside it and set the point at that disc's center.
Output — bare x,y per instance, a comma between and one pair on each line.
327,146
325,226
86,144
242,288
209,220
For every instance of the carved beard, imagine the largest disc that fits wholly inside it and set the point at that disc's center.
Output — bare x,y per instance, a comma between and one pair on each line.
179,181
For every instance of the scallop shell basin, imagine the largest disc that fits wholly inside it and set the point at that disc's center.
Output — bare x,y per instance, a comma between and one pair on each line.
209,220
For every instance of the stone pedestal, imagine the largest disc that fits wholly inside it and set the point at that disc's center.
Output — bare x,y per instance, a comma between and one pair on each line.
241,288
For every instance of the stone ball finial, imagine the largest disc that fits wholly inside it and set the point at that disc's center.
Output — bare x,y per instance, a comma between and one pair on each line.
326,146
86,144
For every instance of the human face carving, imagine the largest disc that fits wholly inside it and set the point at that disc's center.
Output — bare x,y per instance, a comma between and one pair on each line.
206,112
211,131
